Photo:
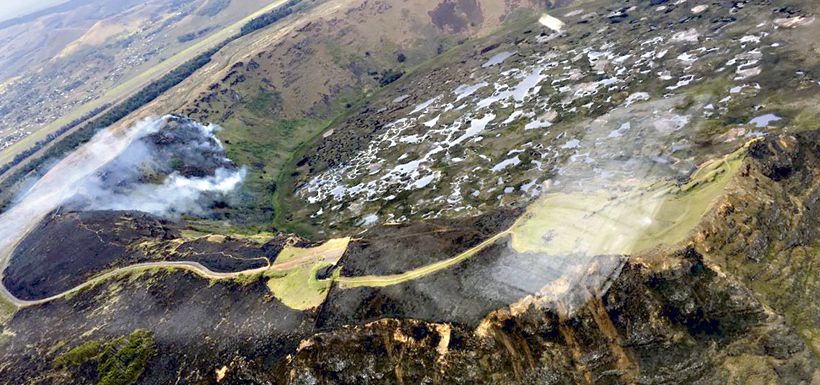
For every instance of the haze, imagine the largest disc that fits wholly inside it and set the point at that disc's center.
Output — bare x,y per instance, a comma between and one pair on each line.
17,8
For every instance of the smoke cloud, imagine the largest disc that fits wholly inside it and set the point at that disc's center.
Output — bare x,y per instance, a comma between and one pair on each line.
166,166
179,169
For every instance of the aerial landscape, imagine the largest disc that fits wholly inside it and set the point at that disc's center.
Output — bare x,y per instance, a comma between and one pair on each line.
410,192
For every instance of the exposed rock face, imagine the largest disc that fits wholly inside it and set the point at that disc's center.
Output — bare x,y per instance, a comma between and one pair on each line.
666,319
765,232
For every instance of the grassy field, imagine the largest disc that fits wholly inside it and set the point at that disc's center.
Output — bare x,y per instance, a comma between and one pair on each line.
330,250
292,278
298,287
603,223
266,143
135,83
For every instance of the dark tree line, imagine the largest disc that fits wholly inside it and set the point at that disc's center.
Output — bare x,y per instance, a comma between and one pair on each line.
268,18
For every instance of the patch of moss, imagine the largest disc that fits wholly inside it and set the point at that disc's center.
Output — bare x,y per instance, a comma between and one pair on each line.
120,361
265,103
79,355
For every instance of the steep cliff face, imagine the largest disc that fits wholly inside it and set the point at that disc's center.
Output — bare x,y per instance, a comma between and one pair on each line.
765,232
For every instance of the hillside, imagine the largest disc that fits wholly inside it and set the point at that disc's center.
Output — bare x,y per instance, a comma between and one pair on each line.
437,192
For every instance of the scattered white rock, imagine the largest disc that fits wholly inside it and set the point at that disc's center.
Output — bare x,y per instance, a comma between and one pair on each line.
747,73
750,39
691,35
370,220
699,8
514,161
571,144
793,22
764,120
551,22
497,59
636,97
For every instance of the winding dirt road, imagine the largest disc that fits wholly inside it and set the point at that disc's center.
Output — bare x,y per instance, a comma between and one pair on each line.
194,267
308,258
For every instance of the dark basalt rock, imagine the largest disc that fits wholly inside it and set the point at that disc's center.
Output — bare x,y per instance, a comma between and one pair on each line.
658,324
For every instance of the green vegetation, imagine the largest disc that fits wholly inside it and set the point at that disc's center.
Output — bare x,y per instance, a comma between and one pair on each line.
792,291
80,355
298,287
608,223
265,103
258,136
120,361
269,17
7,310
293,278
4,336
247,279
194,35
390,76
264,145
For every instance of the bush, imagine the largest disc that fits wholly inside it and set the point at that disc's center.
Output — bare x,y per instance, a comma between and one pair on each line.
78,356
120,361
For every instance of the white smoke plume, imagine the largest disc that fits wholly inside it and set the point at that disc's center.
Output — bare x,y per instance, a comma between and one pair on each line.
176,195
120,184
107,174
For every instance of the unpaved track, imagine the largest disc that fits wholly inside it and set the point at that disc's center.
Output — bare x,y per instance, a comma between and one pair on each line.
194,267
